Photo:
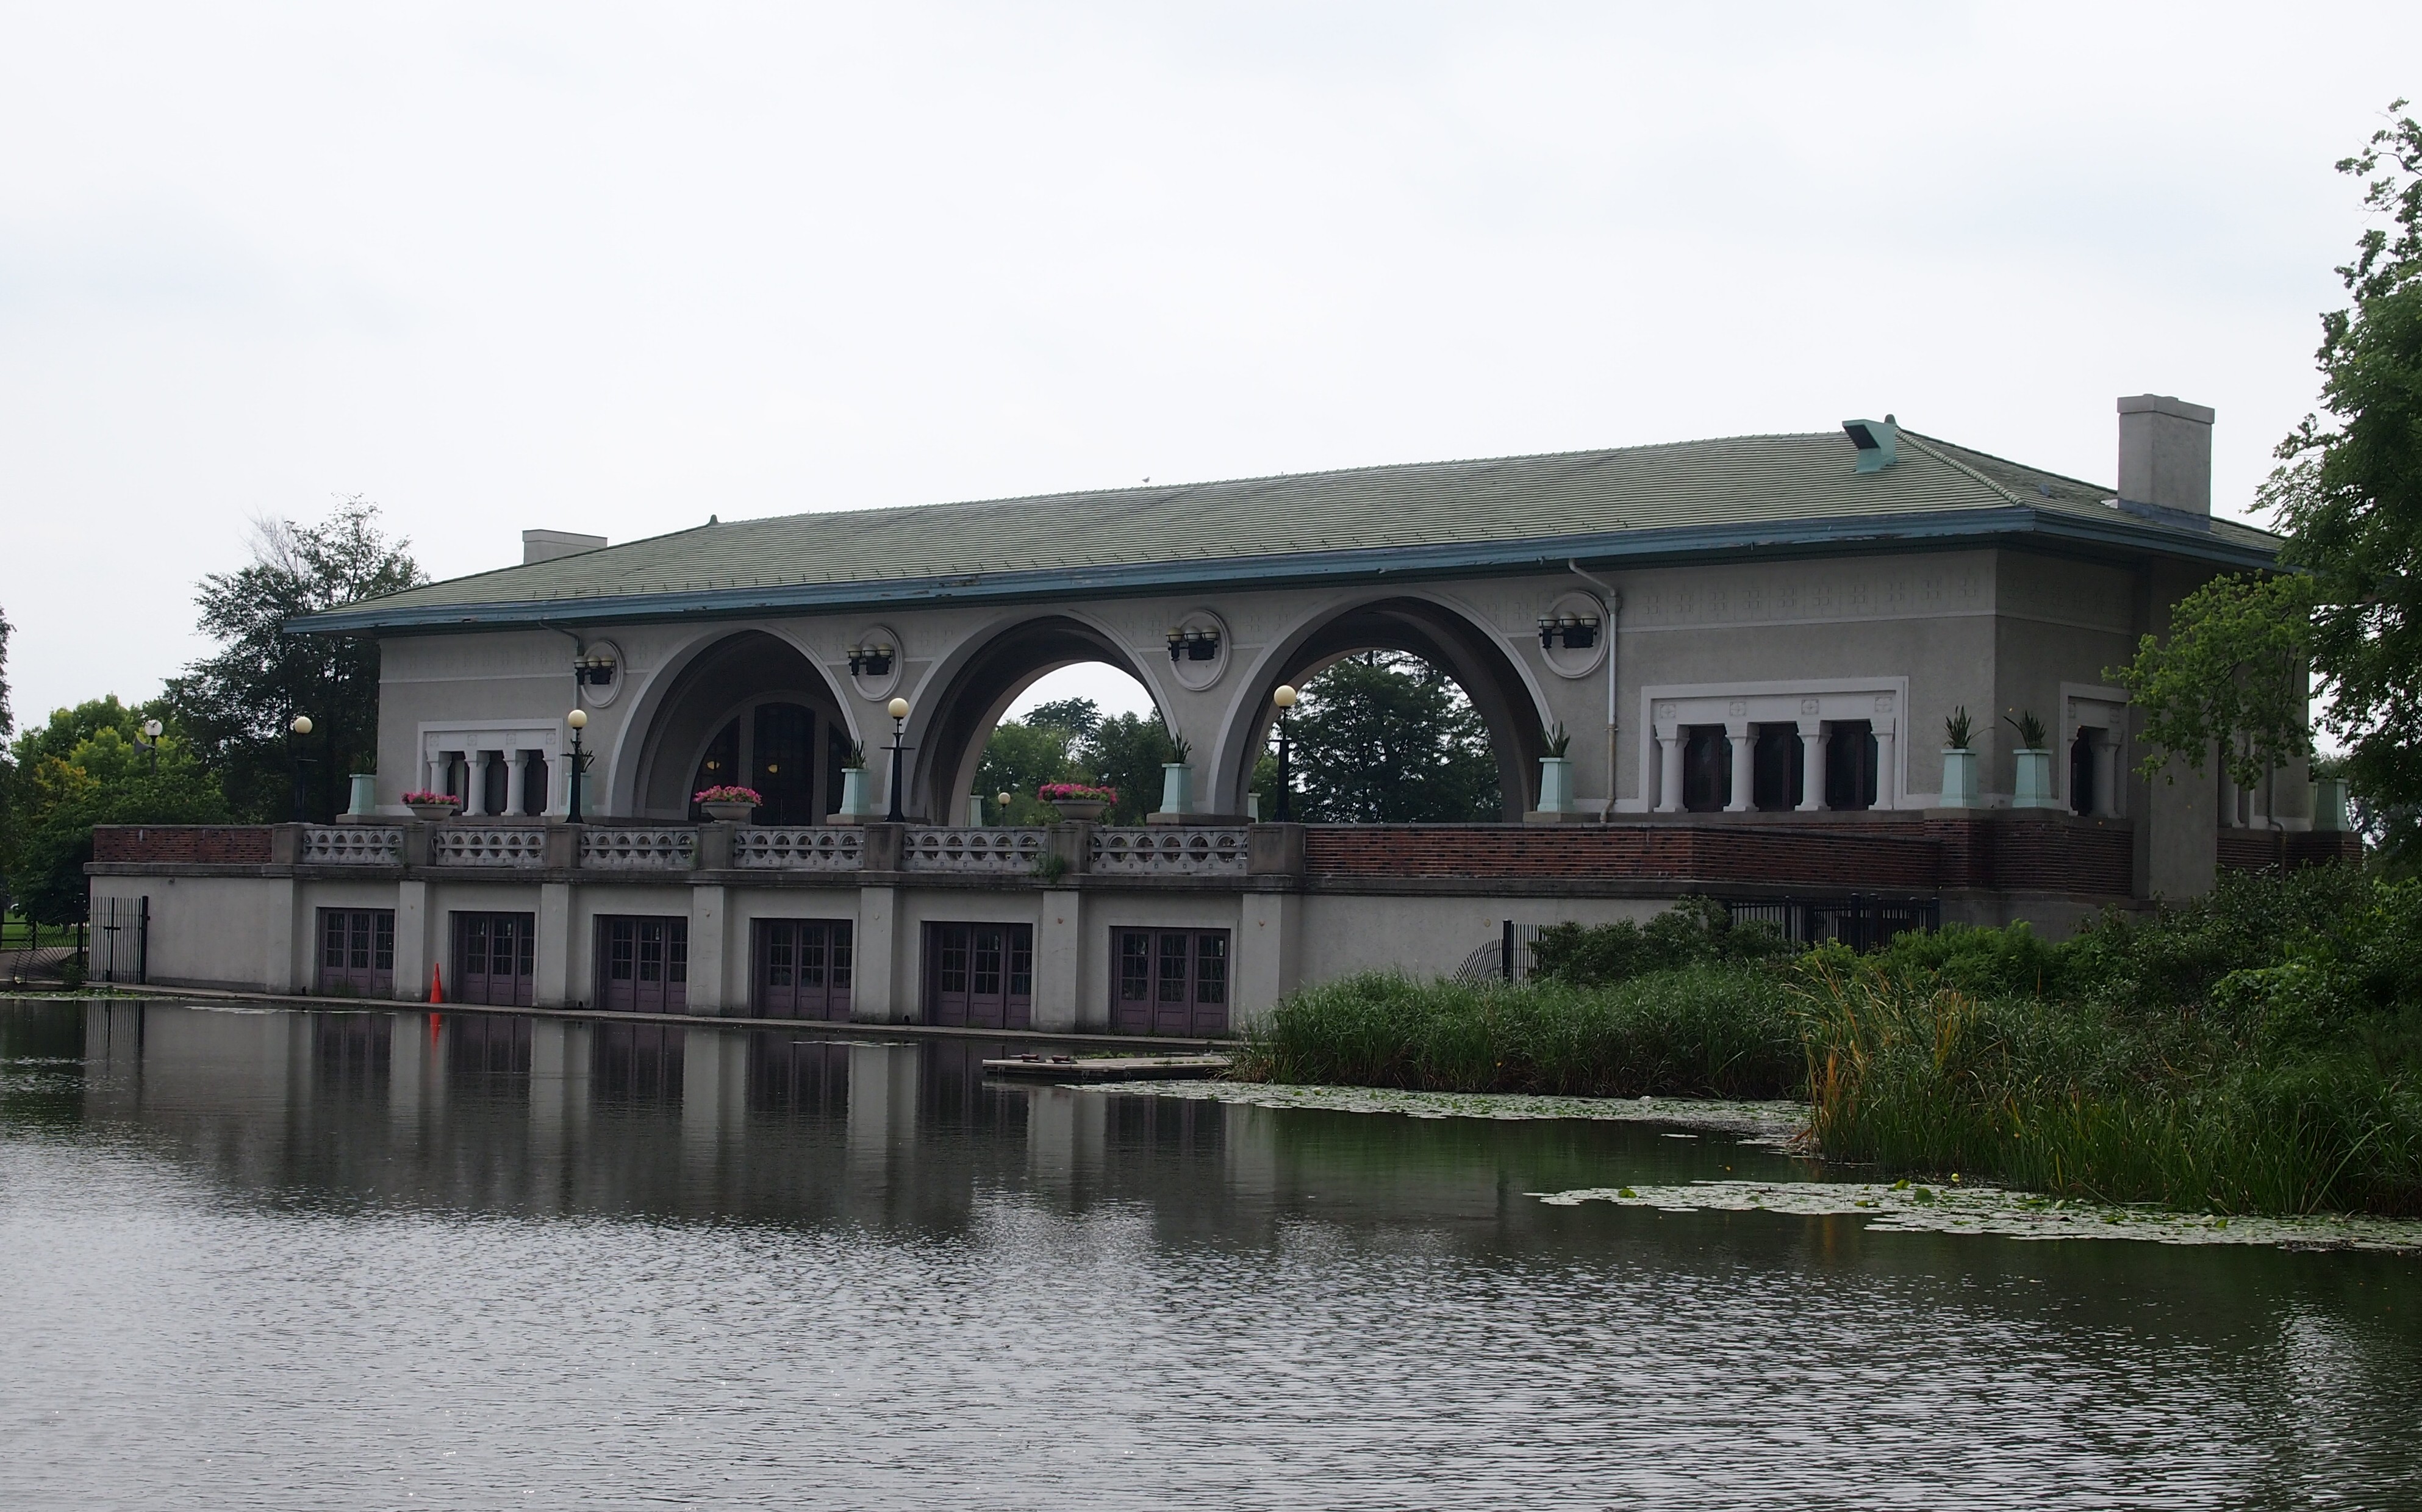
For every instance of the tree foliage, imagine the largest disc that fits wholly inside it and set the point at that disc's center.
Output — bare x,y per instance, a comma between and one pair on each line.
2348,495
84,768
2231,677
1386,738
1070,740
236,704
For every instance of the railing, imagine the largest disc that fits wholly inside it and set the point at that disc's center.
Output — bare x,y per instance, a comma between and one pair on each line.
487,845
639,848
353,845
971,850
1170,852
826,848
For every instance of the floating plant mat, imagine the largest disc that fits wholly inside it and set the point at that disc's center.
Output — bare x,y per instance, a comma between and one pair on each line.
1910,1208
1759,1123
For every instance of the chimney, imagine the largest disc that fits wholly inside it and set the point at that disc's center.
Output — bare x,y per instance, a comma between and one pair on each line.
2165,453
546,545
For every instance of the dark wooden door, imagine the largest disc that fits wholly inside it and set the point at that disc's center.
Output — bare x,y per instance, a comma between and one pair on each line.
1170,980
802,968
980,976
357,953
494,959
643,964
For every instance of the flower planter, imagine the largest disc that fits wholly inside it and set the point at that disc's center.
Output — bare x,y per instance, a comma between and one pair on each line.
852,792
1958,777
363,804
1176,788
2035,789
431,812
2330,805
1079,808
1555,784
728,813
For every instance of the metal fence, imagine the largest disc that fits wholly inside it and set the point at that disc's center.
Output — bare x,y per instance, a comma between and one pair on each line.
121,939
1862,921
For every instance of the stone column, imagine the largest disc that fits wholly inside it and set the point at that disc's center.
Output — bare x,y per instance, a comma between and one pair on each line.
1744,768
1669,772
1267,964
551,986
706,993
2106,776
877,994
1060,960
516,781
1812,765
412,942
475,785
435,782
1887,790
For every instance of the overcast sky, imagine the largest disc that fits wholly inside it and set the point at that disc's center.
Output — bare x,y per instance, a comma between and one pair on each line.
614,269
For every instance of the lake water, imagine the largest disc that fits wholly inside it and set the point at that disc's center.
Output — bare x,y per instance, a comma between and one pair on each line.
382,1260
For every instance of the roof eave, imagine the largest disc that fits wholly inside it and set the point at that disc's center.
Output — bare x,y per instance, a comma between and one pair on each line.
1937,529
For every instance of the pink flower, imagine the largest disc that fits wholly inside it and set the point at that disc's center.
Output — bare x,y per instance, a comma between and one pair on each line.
728,794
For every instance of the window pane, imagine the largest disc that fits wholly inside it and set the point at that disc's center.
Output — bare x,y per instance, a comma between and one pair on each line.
1135,965
841,952
1021,961
618,951
652,953
1172,967
385,950
988,963
677,951
954,960
1211,966
777,955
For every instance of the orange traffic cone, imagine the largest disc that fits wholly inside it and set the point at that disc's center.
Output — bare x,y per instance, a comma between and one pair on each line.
436,986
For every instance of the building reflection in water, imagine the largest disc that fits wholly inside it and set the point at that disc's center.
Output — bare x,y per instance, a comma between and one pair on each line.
503,1113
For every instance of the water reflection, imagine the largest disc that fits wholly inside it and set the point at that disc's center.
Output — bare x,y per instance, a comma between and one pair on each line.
730,1264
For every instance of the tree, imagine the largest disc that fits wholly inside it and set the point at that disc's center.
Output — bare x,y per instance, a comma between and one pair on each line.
84,768
1387,738
2231,677
2348,495
237,705
1079,716
1021,757
1126,751
2348,492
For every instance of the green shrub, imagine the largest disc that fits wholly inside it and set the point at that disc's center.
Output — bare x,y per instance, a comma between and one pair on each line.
1694,932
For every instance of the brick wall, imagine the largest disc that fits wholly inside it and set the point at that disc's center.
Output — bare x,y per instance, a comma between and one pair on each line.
1874,856
2253,850
192,844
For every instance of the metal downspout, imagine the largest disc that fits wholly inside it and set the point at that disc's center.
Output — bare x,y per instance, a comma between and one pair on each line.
1614,614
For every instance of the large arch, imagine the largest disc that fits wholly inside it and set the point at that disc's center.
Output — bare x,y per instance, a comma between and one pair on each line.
728,681
1439,634
978,687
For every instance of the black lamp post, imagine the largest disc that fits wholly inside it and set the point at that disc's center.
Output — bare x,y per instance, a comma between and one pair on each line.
1284,698
578,720
150,740
301,727
898,709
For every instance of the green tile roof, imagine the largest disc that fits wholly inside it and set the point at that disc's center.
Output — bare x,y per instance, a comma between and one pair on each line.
1657,502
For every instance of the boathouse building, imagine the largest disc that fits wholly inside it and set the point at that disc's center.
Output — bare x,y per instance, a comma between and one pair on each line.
1754,645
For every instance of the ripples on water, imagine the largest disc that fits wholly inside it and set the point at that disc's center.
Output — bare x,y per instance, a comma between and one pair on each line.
349,1260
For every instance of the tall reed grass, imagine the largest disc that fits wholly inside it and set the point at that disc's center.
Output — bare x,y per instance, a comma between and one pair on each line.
1711,1032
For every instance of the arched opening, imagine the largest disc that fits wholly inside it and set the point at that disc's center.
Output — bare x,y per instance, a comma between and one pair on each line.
1408,632
952,767
749,712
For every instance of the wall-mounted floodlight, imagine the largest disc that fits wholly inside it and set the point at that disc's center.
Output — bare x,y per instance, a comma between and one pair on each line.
1878,442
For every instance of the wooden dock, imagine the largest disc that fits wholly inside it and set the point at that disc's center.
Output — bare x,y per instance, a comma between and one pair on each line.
1107,1067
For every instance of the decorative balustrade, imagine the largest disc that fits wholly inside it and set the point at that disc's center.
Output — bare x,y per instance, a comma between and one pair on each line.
826,848
518,846
971,850
1173,852
353,845
639,848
